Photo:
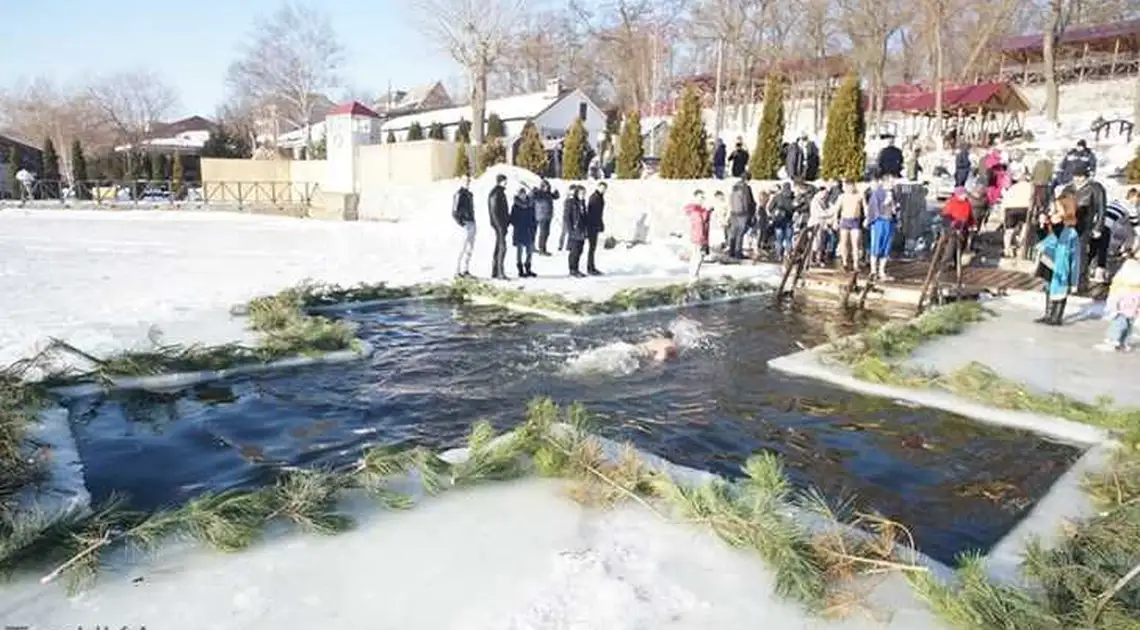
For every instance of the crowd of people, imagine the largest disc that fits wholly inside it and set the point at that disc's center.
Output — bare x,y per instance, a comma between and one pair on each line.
528,218
1077,229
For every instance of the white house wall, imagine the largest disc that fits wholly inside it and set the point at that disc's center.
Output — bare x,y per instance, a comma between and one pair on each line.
562,114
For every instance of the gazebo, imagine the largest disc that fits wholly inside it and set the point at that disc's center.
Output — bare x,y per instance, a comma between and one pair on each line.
968,112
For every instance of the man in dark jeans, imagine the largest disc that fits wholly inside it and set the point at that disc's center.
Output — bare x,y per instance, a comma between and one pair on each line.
500,220
544,213
1092,201
595,225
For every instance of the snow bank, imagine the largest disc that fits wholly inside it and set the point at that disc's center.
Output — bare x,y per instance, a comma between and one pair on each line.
511,555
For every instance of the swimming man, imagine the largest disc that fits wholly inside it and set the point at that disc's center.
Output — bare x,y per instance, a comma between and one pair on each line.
661,348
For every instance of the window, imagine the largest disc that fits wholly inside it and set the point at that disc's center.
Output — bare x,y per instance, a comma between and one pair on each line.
582,110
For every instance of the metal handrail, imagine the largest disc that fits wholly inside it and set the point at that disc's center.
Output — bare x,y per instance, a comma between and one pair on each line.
163,192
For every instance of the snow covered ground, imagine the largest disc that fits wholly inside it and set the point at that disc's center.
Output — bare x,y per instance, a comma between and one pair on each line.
103,280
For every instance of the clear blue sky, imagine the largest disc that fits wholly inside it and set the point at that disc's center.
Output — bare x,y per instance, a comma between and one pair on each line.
191,42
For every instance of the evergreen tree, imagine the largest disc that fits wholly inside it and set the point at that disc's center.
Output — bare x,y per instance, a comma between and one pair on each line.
157,167
492,152
50,178
573,150
463,160
844,148
532,154
13,167
435,131
613,121
415,132
630,150
391,139
766,162
224,142
176,176
463,131
686,154
495,128
320,149
1132,170
79,171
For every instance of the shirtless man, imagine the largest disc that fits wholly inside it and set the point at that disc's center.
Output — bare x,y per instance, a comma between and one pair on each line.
661,348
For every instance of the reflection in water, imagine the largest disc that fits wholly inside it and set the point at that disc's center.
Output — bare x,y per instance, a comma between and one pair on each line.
956,484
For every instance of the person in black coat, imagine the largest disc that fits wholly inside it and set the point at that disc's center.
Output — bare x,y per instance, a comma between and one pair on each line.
891,160
463,213
802,160
500,213
544,213
739,158
962,166
595,225
574,224
720,157
742,208
523,227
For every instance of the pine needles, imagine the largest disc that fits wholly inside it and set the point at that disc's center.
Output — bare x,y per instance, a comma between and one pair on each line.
756,513
1090,579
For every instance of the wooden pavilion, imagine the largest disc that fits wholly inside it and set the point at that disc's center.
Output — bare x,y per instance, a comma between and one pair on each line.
969,112
1106,51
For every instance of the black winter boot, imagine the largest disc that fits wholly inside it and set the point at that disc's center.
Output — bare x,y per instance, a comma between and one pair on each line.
528,273
1057,315
519,267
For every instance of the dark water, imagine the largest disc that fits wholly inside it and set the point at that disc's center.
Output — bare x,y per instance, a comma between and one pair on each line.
957,484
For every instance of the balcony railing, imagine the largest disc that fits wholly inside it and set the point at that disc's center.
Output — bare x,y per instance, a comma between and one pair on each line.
152,193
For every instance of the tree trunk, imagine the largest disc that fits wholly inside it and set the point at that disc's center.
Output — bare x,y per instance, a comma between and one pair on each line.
938,94
1136,104
478,102
1048,47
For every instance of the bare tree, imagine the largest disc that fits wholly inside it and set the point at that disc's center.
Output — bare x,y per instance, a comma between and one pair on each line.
870,25
39,109
131,102
292,59
475,33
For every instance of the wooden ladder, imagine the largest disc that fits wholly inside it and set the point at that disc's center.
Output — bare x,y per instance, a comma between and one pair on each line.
795,264
948,245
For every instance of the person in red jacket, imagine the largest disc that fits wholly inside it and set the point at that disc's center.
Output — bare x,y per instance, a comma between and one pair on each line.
698,233
958,210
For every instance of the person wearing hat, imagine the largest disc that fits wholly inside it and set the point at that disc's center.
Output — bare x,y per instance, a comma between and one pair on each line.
500,214
1081,155
1092,201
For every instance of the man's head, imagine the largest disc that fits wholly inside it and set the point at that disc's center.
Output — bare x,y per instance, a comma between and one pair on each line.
739,142
803,138
465,181
1080,173
1082,145
699,195
849,186
1133,196
602,188
500,180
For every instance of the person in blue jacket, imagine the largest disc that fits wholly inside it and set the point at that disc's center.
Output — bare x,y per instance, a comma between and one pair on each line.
523,228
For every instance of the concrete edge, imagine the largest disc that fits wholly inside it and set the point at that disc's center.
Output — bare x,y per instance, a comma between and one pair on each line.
64,491
808,364
179,380
574,318
1065,502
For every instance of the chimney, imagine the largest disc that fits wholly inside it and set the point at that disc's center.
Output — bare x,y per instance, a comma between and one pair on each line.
554,87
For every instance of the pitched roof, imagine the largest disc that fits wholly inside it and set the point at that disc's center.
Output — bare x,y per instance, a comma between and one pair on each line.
355,108
1034,42
9,138
191,123
993,96
520,107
